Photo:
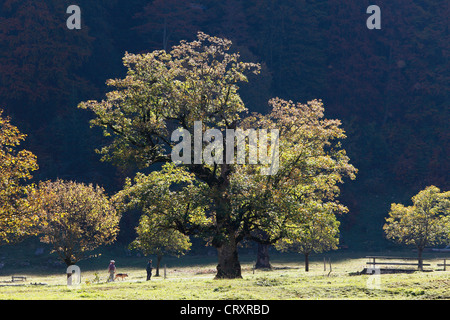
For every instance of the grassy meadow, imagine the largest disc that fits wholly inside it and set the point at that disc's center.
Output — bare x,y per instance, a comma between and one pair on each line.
192,278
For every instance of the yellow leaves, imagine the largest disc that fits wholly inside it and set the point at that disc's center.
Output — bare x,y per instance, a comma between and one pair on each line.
156,237
195,81
199,81
16,218
78,216
424,223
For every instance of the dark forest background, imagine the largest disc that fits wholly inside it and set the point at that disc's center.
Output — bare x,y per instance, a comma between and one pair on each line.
390,87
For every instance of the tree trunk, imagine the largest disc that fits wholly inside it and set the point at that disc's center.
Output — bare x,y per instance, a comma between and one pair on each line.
306,262
225,241
229,266
262,258
419,258
158,263
68,261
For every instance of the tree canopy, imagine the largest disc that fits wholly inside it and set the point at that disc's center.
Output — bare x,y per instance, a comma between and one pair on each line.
75,218
425,223
154,237
223,202
16,166
316,230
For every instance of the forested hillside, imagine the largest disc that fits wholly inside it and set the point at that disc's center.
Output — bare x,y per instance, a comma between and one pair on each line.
390,87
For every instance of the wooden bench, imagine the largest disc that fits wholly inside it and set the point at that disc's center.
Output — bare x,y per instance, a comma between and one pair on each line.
374,261
21,278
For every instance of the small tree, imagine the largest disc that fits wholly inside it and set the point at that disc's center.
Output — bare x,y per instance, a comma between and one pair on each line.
154,238
76,218
16,220
162,205
425,223
317,230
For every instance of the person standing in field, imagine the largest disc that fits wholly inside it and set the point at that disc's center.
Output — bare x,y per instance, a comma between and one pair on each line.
149,270
112,270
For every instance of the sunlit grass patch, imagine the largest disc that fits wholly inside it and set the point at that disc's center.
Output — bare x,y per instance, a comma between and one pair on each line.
285,281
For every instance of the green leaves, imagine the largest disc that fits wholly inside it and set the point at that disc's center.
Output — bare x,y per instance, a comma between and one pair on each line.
225,203
153,238
312,164
165,91
424,223
313,229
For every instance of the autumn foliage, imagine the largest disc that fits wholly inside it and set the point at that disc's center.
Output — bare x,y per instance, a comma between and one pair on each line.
16,166
74,218
224,203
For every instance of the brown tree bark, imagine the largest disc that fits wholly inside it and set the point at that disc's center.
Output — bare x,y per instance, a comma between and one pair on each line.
420,258
262,257
228,266
158,263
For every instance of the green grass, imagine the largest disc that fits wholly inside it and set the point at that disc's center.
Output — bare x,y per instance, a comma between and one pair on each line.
193,278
